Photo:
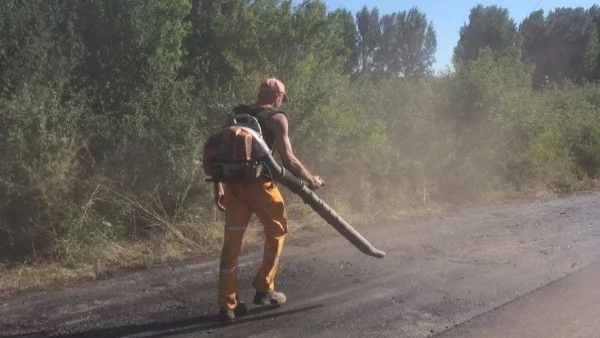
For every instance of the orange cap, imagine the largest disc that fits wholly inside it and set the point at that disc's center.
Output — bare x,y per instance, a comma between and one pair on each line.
276,86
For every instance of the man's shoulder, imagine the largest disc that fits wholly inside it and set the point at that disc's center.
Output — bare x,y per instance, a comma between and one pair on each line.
277,123
272,117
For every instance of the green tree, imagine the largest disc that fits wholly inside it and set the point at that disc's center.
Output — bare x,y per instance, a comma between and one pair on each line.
226,36
594,13
316,35
574,44
408,45
127,45
369,38
535,44
563,46
489,27
349,35
38,43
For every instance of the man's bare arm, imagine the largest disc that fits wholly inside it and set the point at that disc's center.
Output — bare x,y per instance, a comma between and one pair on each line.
219,196
279,125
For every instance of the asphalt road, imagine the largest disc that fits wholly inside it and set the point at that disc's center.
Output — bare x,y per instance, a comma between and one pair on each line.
525,269
568,307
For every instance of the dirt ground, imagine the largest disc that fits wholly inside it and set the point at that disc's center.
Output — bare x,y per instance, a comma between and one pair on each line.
524,269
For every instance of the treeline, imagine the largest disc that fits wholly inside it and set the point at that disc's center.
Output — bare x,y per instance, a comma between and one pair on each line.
105,106
563,45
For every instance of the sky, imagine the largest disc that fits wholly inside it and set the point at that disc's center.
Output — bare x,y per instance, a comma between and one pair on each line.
449,15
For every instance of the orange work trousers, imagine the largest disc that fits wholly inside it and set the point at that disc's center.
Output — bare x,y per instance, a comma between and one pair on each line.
241,200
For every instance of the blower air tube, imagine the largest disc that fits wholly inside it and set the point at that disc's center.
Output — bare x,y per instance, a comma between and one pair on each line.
299,187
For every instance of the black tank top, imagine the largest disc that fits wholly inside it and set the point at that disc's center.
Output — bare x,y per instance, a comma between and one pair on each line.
261,114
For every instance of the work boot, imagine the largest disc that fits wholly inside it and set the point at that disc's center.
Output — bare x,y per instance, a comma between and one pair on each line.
226,315
269,298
